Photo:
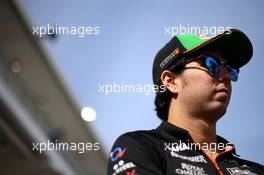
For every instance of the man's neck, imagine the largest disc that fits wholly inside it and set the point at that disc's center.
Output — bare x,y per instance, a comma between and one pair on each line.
201,131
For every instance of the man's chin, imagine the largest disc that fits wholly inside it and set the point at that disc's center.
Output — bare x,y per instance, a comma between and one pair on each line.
218,113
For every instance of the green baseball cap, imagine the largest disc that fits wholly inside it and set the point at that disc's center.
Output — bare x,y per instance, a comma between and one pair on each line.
233,43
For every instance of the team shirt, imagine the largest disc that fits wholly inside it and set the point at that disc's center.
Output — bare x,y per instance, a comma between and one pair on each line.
170,150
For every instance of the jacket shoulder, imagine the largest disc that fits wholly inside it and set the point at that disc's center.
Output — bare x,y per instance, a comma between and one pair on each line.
145,138
140,149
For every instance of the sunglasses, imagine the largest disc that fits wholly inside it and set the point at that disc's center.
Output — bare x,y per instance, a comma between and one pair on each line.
214,66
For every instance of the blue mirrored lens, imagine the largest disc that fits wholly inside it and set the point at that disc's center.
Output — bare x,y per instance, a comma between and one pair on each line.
233,72
212,65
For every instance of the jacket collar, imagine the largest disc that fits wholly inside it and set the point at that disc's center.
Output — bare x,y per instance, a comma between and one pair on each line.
183,134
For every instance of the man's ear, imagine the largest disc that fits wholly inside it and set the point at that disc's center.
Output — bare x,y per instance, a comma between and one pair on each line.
170,81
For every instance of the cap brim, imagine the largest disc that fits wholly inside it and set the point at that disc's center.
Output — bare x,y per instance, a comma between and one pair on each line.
234,44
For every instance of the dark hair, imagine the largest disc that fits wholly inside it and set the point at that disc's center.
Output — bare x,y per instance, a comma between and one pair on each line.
163,98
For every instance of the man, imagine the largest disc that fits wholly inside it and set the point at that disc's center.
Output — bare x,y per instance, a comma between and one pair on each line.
196,72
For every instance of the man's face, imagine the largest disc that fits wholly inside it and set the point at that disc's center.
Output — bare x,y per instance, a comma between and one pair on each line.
203,94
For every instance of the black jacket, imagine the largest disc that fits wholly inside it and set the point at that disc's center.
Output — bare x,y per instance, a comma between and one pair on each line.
169,150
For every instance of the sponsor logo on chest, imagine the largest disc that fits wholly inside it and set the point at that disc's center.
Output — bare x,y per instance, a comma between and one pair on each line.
238,171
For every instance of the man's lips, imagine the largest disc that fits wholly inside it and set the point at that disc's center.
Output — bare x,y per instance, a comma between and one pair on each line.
223,90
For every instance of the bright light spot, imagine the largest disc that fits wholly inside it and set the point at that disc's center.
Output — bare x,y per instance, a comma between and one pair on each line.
88,114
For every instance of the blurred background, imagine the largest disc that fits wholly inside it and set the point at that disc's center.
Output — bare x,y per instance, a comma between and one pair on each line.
53,85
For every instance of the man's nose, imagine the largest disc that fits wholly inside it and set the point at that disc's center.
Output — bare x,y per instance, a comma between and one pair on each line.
224,74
